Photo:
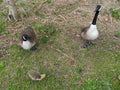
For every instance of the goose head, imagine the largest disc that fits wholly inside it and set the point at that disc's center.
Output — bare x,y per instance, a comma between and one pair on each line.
25,37
98,8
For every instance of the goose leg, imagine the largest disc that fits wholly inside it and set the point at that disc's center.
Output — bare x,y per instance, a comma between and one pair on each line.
33,48
87,43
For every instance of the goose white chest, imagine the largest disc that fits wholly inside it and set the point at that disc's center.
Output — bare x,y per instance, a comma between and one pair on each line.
27,45
92,33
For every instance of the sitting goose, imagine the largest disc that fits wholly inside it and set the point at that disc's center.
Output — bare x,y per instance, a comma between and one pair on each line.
91,33
28,39
35,75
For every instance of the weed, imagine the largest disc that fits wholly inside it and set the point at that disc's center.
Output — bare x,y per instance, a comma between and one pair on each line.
2,26
23,4
42,16
47,31
48,1
1,0
37,13
115,13
2,64
16,35
3,13
118,33
89,85
36,25
98,84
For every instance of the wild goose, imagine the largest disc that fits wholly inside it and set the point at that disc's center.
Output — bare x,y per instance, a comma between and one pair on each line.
91,33
36,76
28,39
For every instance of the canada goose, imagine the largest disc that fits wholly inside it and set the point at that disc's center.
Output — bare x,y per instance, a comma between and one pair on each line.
36,76
91,33
28,39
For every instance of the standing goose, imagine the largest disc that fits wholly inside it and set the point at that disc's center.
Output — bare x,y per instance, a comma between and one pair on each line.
28,39
91,33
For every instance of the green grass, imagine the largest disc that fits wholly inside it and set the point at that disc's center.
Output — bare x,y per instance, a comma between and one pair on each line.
1,0
103,75
46,31
97,84
2,26
37,13
115,13
24,4
118,33
48,1
3,14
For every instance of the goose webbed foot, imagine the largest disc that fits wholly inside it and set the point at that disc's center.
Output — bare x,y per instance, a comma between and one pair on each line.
33,48
87,43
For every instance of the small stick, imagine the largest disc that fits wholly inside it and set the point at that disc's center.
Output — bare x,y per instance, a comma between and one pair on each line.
62,18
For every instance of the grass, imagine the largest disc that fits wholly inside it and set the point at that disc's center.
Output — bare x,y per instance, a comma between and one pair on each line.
118,33
115,13
37,13
2,26
24,4
98,84
64,9
1,0
46,31
1,13
48,1
59,54
49,61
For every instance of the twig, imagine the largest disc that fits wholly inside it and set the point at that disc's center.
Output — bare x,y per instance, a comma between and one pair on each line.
63,18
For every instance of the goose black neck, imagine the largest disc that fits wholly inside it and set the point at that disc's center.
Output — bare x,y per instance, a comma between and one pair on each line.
95,18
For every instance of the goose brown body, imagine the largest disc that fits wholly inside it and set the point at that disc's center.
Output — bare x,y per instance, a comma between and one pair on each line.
30,32
84,31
